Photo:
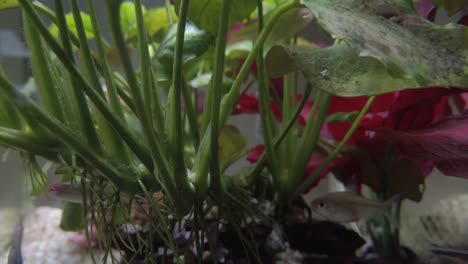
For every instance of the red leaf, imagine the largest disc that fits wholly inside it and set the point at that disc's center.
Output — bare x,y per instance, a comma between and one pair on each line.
463,20
255,154
247,104
426,9
445,144
454,167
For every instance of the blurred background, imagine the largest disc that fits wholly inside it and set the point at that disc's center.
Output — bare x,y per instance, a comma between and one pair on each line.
13,58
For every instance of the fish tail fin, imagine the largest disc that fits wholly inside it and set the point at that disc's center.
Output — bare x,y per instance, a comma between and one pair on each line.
388,206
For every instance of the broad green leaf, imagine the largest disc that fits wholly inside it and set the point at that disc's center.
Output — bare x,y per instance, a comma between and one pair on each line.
426,53
8,4
156,23
88,27
202,81
196,42
452,6
128,16
338,70
289,24
205,13
231,144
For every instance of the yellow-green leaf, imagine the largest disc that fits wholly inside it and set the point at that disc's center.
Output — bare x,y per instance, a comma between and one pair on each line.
8,4
128,16
88,27
231,144
156,24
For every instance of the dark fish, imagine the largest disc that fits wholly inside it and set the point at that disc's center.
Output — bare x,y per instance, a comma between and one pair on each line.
15,256
463,254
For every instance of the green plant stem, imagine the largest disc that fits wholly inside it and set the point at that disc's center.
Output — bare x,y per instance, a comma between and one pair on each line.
107,72
304,185
191,112
168,6
75,142
229,99
209,143
146,78
39,64
142,113
287,146
113,143
122,87
85,121
266,115
308,142
24,141
287,128
117,149
140,151
216,84
175,133
150,91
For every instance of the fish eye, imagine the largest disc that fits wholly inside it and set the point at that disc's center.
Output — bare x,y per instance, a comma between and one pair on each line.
321,204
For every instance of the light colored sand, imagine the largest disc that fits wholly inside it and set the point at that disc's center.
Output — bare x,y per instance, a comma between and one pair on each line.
43,240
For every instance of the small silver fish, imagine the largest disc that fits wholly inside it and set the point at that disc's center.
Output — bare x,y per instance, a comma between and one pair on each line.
67,192
73,193
346,207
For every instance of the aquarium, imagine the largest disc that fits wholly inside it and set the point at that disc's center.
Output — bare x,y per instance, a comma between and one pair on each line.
206,131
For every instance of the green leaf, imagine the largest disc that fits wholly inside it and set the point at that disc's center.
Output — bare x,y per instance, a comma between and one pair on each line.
341,117
157,23
427,53
288,25
231,144
88,27
340,70
205,13
128,17
196,42
452,6
8,4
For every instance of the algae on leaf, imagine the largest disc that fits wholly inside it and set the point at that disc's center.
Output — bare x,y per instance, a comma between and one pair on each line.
338,70
422,52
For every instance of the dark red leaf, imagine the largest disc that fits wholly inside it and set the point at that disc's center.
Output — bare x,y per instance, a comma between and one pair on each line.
426,9
463,20
445,144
